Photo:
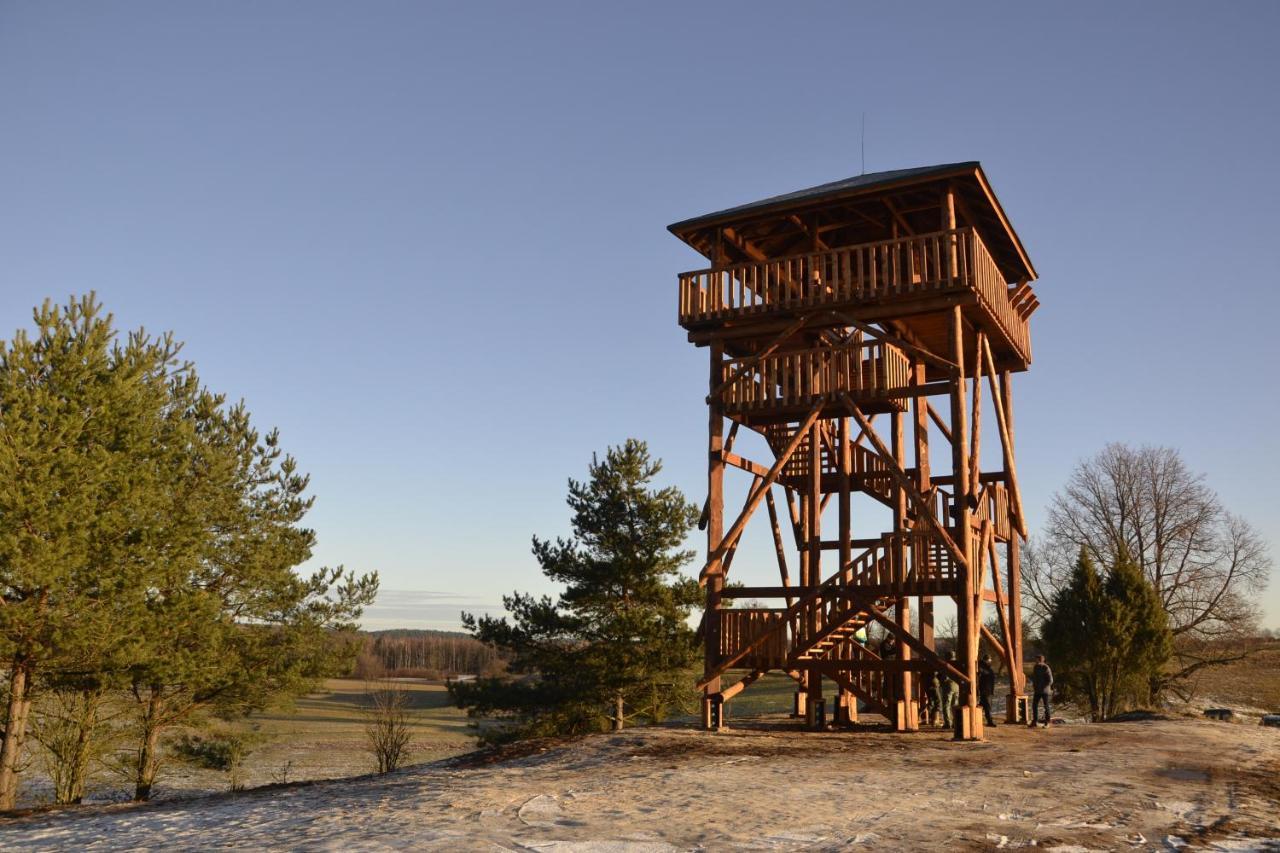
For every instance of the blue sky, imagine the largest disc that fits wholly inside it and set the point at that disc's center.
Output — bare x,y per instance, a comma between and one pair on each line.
428,241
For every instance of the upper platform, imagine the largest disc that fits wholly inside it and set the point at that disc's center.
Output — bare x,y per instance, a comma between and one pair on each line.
892,247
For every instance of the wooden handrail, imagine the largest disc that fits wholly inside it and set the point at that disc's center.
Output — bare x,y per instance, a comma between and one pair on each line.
872,369
936,262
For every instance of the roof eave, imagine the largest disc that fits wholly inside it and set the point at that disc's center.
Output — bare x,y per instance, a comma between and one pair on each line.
685,226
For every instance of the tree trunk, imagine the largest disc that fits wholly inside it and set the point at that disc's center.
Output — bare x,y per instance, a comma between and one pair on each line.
617,712
149,751
86,729
15,731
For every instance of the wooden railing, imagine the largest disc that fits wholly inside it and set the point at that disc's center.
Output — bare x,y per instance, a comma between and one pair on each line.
873,370
920,264
993,293
759,638
738,626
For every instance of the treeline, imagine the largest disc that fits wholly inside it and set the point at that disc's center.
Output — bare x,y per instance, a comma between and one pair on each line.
425,654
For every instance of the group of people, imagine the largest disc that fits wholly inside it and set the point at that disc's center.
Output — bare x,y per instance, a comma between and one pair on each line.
941,693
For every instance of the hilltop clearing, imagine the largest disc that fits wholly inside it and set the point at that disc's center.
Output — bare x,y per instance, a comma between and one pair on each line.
765,785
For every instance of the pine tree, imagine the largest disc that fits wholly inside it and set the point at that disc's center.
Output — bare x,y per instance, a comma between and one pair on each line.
1141,632
1107,638
79,411
1072,634
618,635
148,540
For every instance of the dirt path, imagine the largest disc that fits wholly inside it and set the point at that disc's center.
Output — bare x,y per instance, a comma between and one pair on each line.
1156,785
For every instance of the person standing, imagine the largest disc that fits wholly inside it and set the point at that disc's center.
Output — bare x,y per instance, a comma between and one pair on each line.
932,699
986,686
1041,686
947,692
889,694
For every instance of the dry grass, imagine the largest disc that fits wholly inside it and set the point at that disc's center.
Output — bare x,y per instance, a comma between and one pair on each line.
321,737
1252,683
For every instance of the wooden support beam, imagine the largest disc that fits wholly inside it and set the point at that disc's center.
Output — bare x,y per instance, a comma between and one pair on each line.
713,562
939,422
924,506
975,424
706,505
993,640
733,549
1006,442
715,515
906,638
742,684
777,542
744,464
1008,645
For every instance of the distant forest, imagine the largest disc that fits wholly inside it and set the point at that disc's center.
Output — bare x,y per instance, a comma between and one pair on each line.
405,653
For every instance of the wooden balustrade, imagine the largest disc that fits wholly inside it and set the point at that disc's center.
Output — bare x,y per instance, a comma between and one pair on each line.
930,569
866,371
739,626
941,262
993,292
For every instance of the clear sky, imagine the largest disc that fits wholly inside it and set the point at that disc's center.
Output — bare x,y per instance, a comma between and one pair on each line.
427,240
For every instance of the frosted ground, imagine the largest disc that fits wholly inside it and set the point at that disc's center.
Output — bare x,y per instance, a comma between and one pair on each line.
1137,785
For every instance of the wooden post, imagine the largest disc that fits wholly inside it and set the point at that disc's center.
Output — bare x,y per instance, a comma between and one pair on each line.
715,531
949,224
846,702
1013,559
813,547
966,617
907,717
924,482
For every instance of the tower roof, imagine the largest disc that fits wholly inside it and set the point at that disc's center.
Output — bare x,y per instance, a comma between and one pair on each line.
974,195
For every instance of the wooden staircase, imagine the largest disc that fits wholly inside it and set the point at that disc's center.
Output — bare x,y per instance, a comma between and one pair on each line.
869,473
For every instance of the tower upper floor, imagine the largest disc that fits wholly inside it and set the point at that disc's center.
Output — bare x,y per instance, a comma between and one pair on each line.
895,248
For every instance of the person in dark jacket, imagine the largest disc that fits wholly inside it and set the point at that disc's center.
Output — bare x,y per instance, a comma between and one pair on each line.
889,689
986,686
1041,686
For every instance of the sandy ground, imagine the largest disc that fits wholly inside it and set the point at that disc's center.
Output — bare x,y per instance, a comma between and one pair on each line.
763,785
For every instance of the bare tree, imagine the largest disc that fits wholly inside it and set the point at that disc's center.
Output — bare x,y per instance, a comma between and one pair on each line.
1206,564
387,724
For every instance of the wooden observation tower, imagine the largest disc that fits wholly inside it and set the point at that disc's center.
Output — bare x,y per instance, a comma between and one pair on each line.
862,328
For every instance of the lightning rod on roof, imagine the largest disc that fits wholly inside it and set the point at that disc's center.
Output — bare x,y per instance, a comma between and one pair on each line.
864,142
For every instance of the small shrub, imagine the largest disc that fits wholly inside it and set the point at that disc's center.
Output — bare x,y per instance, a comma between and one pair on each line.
224,750
387,725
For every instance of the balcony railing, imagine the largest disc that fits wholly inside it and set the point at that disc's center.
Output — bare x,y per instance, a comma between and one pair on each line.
919,265
867,371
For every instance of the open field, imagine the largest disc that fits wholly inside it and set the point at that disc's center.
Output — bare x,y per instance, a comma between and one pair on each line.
763,784
322,737
1251,686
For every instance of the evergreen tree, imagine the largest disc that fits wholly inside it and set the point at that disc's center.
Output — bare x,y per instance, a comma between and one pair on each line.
618,637
1072,634
148,540
79,411
1107,638
1139,626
